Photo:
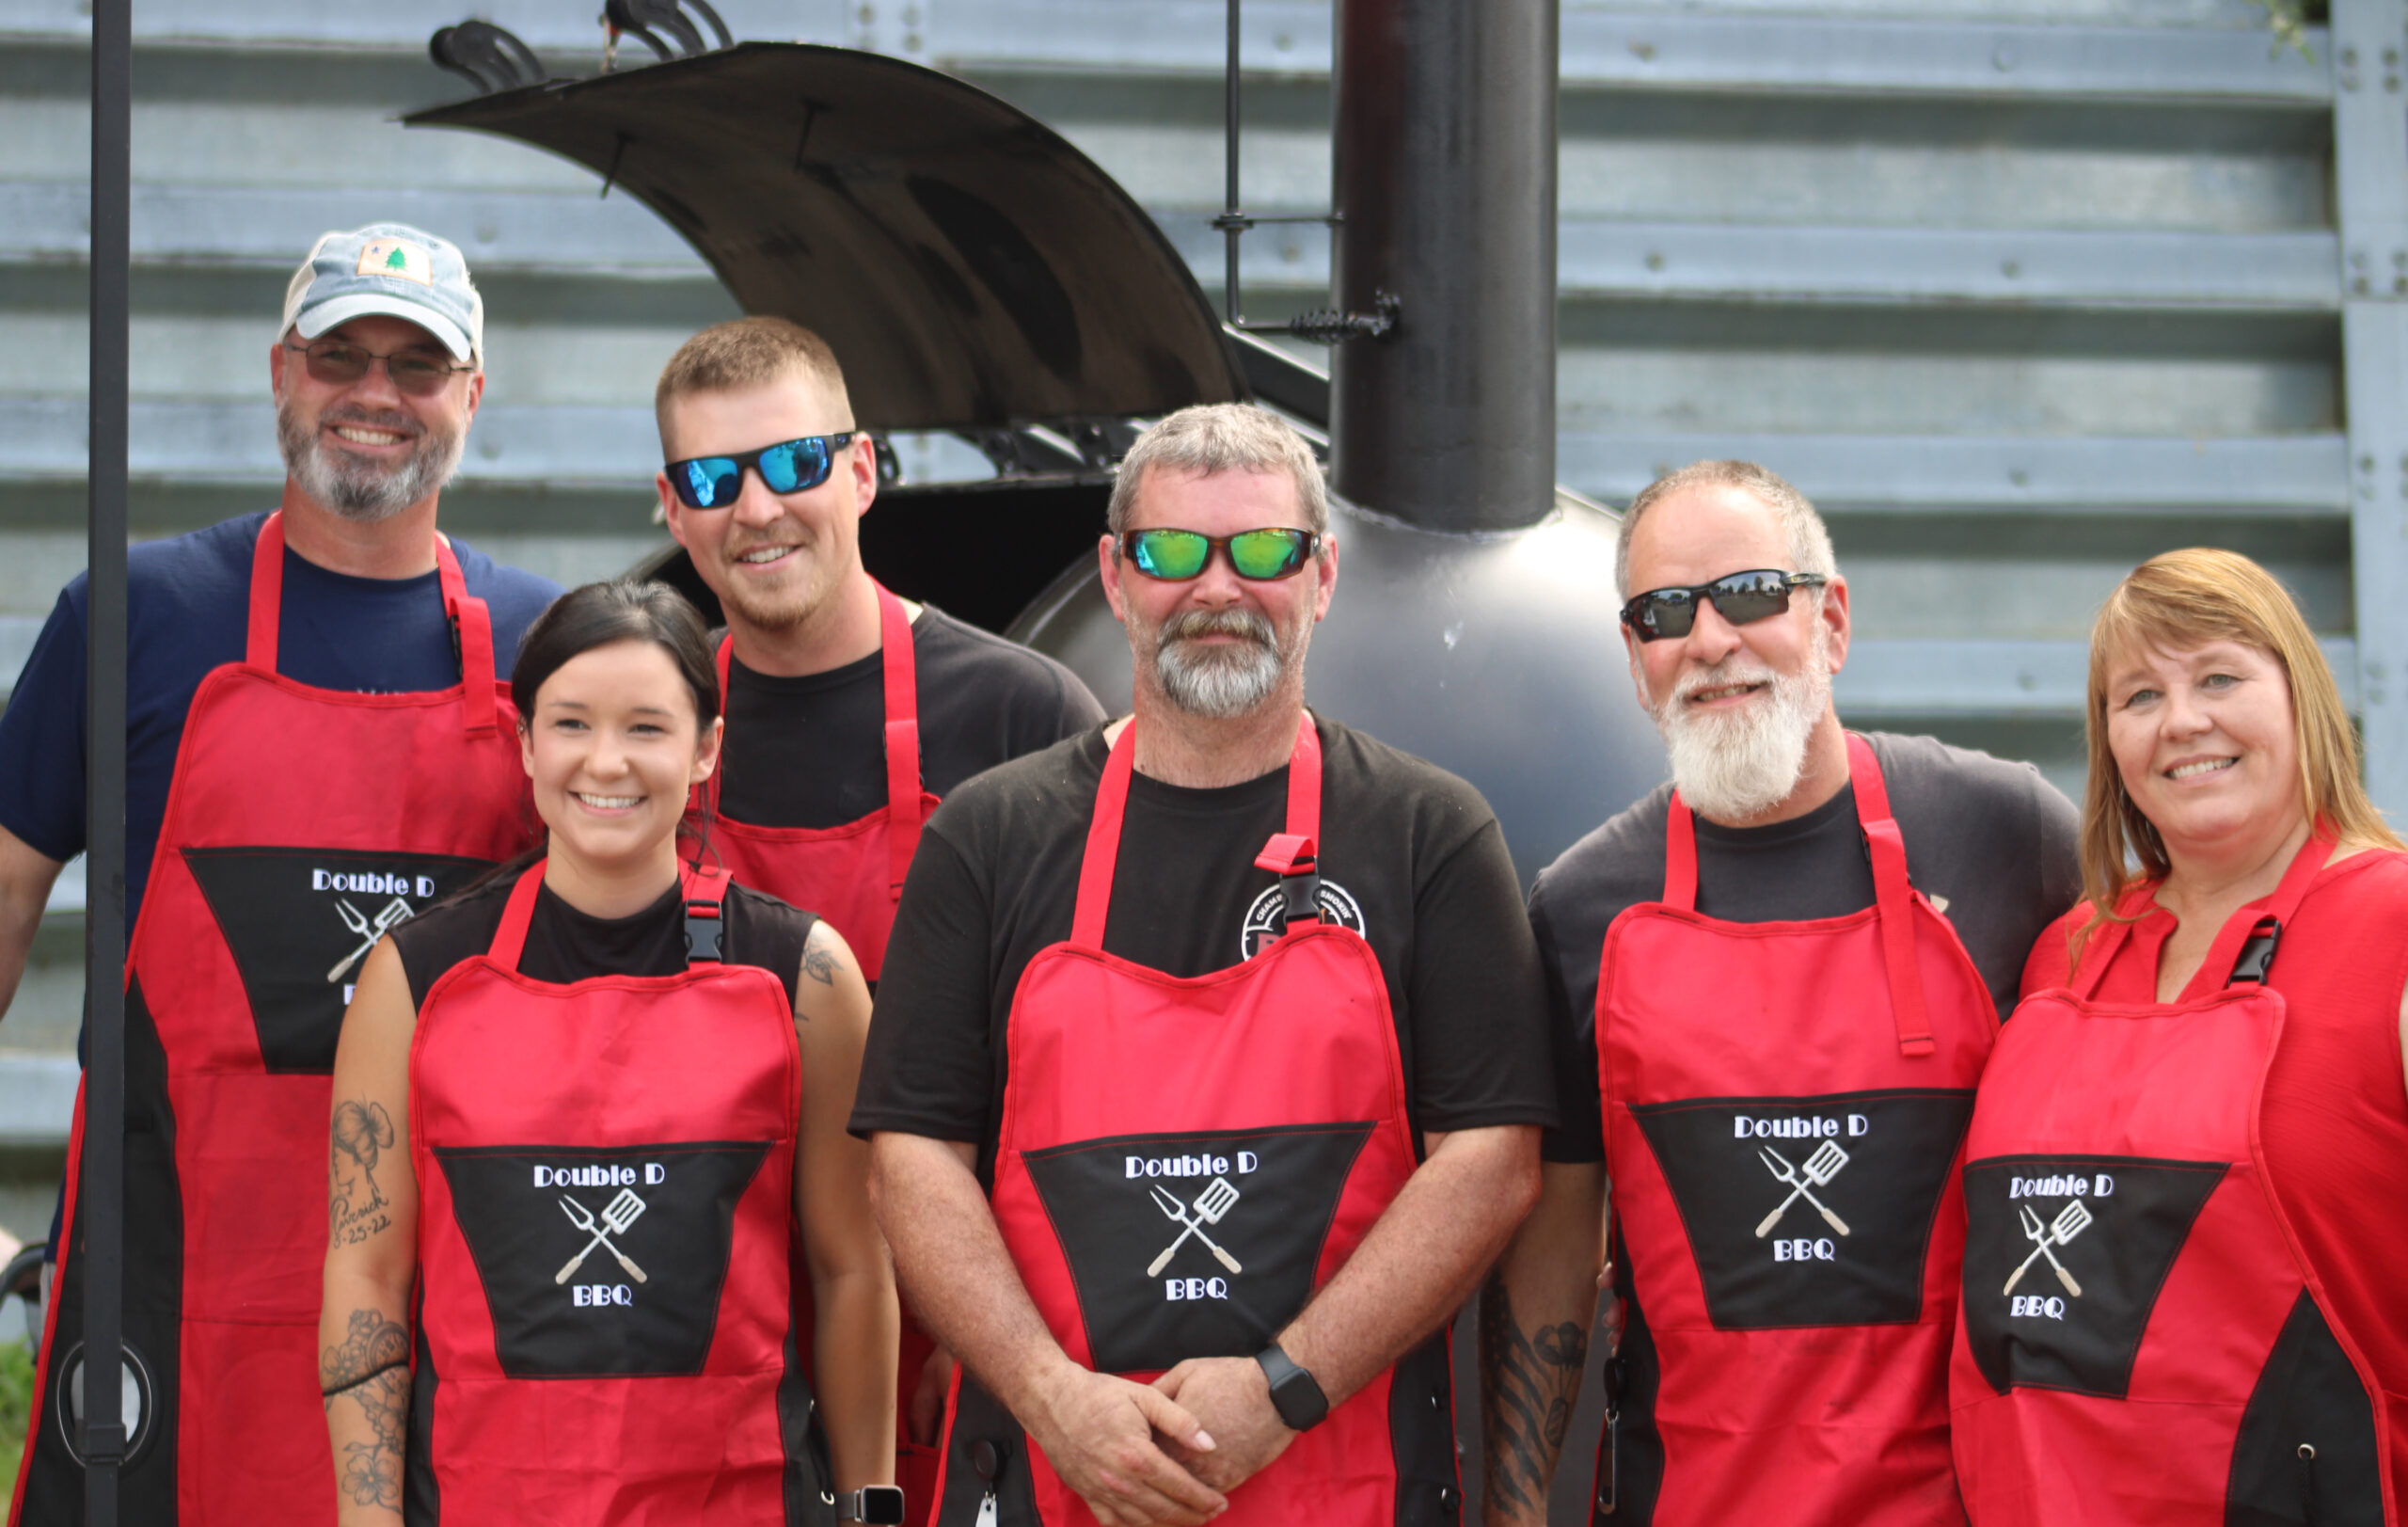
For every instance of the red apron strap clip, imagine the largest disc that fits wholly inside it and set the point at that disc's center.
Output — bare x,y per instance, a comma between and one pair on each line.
471,641
2244,952
903,785
706,893
510,939
1102,855
1893,899
1290,855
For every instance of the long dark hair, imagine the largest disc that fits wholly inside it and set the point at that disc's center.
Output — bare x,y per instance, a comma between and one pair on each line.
621,610
597,615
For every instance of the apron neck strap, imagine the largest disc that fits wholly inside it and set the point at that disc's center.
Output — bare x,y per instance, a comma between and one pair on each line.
902,736
1894,897
2098,951
470,623
510,939
1892,894
1290,854
704,891
2244,952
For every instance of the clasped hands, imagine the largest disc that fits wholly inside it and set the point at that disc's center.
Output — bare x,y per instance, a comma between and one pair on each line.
1165,1454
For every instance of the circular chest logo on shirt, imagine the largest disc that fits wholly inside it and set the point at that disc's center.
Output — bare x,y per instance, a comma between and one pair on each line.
1265,919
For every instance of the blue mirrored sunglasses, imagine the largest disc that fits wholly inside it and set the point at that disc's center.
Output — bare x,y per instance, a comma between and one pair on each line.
787,466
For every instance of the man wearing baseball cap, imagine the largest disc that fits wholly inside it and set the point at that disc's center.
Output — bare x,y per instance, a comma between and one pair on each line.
316,747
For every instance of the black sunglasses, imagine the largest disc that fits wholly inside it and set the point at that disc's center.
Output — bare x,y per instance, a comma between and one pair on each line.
787,466
1261,556
1741,598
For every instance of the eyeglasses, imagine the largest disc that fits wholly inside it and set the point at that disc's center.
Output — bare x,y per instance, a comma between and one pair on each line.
1741,598
338,363
787,466
1261,556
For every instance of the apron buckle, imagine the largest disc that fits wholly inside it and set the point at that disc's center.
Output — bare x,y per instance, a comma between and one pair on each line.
702,933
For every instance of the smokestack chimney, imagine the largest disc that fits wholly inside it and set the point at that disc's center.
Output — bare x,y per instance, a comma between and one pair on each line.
1444,172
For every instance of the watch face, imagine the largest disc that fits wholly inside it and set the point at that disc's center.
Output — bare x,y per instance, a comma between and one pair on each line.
883,1505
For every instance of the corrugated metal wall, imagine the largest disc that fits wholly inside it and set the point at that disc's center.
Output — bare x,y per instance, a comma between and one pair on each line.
2019,293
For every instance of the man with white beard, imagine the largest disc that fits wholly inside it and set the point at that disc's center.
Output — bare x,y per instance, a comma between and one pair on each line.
252,646
1208,1047
1773,982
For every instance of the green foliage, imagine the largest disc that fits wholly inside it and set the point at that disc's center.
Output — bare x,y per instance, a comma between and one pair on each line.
16,1406
2289,20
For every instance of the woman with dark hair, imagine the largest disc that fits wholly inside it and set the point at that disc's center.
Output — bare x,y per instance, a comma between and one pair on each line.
583,1114
2182,1302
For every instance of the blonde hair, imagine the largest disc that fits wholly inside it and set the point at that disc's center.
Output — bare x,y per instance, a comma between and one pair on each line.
746,353
2182,600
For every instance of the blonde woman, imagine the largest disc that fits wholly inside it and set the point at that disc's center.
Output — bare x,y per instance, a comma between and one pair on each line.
2184,1300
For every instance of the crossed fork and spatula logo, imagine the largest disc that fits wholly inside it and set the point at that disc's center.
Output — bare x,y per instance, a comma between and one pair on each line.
1217,1200
617,1216
1820,1168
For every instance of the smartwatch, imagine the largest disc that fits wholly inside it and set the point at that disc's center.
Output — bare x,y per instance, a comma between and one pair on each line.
1294,1393
880,1504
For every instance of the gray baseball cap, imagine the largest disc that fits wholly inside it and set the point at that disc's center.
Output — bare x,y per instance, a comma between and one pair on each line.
391,269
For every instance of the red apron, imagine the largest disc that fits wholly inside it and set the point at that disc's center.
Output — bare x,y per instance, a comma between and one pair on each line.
1785,1104
606,1179
2144,1341
1183,1162
301,824
852,876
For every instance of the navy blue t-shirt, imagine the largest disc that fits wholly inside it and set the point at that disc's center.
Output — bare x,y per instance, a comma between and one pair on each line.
189,612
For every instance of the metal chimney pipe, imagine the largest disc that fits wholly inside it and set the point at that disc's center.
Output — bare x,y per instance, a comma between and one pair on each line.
1444,175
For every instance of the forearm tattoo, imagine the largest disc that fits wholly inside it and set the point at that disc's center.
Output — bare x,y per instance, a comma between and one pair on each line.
355,1206
1528,1381
370,1368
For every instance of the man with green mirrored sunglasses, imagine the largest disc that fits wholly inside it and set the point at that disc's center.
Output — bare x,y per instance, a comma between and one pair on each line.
1209,1054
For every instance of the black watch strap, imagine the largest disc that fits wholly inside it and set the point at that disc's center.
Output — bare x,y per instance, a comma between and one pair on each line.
881,1504
1294,1393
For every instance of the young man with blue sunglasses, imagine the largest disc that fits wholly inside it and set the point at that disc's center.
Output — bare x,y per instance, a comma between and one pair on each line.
849,712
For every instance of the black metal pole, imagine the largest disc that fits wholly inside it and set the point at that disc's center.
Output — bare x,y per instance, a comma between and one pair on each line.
100,1183
1444,171
1231,229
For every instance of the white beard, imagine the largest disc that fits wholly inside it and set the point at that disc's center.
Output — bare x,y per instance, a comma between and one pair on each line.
1734,766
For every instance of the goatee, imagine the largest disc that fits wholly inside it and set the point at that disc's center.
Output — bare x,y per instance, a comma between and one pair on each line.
356,488
1222,679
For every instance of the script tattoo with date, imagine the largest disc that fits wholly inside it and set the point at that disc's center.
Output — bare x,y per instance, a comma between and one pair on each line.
370,1368
1528,1382
355,1206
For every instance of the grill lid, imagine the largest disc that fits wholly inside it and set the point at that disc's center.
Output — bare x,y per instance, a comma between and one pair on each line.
968,264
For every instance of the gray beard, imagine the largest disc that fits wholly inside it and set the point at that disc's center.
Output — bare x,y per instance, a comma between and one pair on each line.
1219,682
1735,767
364,491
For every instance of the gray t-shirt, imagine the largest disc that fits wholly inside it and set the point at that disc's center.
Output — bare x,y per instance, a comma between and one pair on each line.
1990,842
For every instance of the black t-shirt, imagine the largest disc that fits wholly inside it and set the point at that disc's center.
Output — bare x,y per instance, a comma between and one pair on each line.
1990,843
1410,857
565,944
811,751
